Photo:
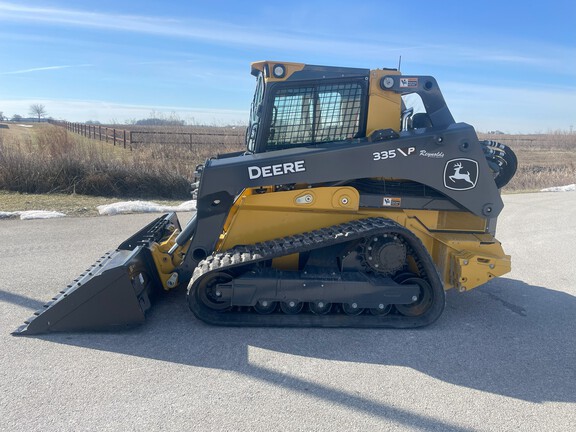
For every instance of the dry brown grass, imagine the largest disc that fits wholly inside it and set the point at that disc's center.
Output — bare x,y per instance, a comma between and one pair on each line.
181,154
544,160
48,159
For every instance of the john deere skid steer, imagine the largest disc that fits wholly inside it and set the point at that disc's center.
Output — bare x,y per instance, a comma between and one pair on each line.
357,202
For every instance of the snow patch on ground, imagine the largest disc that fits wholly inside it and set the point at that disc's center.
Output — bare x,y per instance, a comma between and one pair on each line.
108,209
567,188
31,214
143,207
26,126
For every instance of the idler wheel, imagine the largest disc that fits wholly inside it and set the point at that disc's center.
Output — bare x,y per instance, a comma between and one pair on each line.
210,295
422,303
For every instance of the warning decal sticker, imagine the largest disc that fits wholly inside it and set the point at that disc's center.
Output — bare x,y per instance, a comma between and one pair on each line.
408,82
392,202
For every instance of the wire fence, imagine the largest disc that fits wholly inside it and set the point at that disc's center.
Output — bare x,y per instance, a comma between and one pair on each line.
178,135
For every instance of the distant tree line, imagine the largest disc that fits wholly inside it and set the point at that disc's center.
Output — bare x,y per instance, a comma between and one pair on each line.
159,122
37,111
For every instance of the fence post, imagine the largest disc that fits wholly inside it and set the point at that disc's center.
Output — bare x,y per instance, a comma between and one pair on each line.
114,135
124,131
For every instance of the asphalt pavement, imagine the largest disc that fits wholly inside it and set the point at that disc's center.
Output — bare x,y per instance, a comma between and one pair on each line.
501,358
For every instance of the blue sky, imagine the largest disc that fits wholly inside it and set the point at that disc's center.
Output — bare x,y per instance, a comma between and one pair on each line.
501,65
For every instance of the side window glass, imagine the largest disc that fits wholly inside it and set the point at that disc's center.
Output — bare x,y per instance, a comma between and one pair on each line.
315,114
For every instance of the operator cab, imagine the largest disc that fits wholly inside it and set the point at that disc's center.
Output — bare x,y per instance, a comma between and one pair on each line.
298,105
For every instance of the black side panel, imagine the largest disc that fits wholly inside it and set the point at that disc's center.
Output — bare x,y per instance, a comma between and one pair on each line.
430,157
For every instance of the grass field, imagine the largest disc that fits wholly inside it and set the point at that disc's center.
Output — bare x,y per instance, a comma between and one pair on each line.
544,160
43,166
45,158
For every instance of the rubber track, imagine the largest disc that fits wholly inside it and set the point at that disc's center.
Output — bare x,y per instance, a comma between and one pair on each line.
241,258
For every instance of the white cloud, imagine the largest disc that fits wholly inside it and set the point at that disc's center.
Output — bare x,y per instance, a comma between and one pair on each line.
44,68
532,102
359,44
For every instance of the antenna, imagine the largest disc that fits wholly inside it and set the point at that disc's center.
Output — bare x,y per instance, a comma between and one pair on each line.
399,63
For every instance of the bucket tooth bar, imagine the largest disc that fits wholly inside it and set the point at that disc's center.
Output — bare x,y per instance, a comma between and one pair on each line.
115,292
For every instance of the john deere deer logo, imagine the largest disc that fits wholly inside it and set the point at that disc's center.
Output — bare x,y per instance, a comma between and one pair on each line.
461,174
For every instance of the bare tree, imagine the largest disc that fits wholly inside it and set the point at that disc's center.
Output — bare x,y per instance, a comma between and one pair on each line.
1,116
38,110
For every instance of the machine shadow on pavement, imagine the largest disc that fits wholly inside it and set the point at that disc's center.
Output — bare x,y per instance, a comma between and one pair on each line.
507,338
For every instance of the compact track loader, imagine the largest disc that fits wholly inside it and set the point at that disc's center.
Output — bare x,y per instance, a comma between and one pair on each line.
357,202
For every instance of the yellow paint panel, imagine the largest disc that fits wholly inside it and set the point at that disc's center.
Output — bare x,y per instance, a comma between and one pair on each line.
384,111
290,69
272,215
465,258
